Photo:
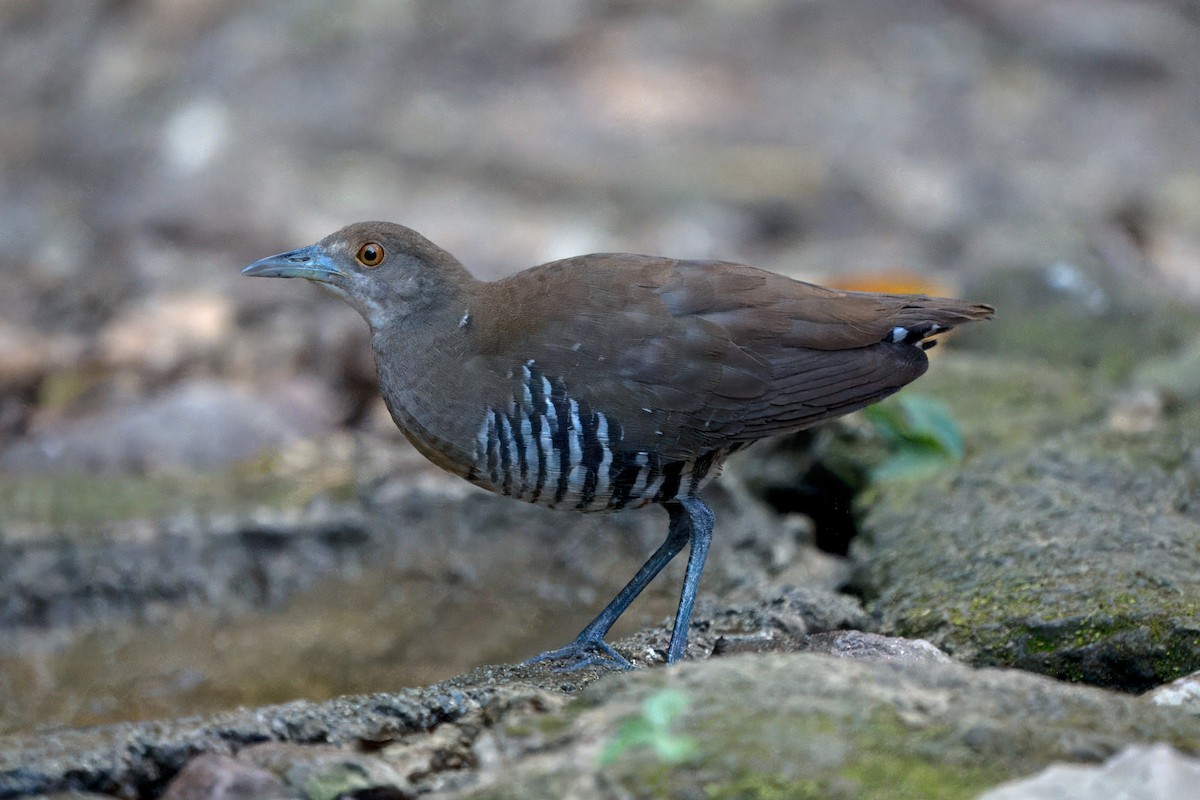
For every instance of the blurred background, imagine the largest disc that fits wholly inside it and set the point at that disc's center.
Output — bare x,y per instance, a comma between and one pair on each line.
198,484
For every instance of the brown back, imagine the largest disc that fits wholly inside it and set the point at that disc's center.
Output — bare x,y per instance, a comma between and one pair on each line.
690,355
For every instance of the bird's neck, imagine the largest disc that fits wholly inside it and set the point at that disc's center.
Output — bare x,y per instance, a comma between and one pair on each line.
423,358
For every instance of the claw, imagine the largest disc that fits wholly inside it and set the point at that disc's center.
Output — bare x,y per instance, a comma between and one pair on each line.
584,653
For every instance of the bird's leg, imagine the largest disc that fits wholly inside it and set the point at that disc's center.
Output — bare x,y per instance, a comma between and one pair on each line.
691,520
695,514
589,646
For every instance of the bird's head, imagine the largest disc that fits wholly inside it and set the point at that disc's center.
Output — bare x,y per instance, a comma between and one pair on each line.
386,271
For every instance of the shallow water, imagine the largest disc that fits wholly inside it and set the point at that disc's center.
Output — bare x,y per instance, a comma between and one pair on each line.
378,630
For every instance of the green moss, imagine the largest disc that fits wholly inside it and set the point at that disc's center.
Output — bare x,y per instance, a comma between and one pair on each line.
769,727
552,725
890,759
1034,623
334,781
1178,656
1008,405
876,777
1054,646
870,755
757,786
59,389
1074,635
1042,559
65,499
898,777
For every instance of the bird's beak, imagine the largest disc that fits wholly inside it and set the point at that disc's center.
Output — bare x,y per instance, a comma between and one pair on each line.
308,262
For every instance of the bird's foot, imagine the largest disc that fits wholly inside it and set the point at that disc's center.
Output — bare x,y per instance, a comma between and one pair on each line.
584,652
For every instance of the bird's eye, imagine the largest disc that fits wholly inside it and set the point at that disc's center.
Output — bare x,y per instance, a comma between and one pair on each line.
370,254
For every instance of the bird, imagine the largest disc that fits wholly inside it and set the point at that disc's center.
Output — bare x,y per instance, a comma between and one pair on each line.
612,381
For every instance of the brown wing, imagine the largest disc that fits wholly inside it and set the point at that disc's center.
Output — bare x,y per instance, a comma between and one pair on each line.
695,355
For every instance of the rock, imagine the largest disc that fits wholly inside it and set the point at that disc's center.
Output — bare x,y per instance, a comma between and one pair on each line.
1139,772
804,725
27,355
856,644
218,777
1182,693
1068,558
133,755
765,619
787,725
165,334
1176,375
312,770
1132,37
1139,411
195,425
147,567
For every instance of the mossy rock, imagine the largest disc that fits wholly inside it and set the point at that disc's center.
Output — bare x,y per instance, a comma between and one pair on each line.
807,726
1078,557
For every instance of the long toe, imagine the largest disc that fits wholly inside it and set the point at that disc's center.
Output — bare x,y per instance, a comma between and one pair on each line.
583,653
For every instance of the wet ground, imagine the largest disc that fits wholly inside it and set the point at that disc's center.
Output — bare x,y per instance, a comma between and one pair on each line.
358,634
266,612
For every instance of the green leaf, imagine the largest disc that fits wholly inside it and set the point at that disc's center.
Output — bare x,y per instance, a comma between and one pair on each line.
675,749
910,465
931,419
920,434
662,707
653,730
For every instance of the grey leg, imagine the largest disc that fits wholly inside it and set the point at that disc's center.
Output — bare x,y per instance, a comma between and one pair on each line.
691,520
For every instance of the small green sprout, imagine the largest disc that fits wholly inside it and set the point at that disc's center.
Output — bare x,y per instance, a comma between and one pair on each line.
921,436
653,729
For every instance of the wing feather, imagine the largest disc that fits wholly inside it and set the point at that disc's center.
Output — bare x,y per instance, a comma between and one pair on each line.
694,355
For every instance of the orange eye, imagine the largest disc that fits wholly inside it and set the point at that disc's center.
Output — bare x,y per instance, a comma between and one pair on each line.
370,254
